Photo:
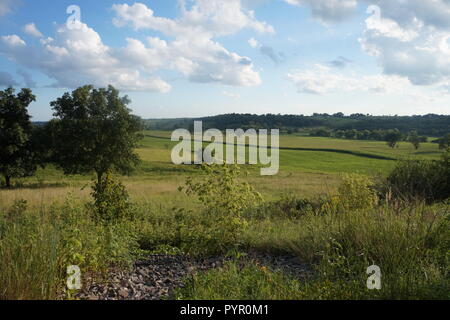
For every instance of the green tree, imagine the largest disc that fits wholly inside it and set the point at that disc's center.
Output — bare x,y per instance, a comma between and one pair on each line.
94,131
414,139
393,137
16,152
444,143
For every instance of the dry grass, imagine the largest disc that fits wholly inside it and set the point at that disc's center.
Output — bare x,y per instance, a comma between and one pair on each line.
163,190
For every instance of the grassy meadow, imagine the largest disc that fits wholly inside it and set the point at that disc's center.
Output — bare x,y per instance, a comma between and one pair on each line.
304,171
310,209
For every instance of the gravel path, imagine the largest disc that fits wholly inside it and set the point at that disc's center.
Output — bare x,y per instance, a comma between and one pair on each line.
158,276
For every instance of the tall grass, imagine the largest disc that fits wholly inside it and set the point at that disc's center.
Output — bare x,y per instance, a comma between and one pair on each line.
36,247
410,246
348,233
339,235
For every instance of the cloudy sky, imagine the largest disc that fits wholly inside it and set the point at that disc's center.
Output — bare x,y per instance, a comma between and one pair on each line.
185,58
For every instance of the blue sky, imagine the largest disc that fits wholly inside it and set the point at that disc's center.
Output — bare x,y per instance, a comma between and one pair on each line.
204,57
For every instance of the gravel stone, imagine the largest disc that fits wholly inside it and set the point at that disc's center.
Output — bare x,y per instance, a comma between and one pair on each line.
158,276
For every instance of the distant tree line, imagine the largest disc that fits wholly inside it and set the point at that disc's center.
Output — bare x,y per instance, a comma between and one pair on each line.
392,136
92,131
431,125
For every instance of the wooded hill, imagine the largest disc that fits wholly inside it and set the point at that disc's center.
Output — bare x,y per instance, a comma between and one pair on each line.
430,124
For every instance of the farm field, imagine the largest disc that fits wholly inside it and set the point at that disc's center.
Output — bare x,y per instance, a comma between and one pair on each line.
302,172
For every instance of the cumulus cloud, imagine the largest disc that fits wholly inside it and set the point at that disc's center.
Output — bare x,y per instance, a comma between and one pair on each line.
13,41
414,46
7,80
435,13
192,49
32,30
328,11
409,38
210,17
78,56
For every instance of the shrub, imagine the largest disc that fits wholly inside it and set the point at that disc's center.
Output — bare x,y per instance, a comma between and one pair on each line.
356,192
225,199
444,142
111,200
419,180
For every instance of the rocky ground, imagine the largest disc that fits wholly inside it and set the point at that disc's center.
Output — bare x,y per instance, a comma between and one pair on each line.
156,277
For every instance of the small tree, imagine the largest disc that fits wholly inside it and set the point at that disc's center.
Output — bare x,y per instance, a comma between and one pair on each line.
94,132
444,143
393,137
225,199
414,139
111,200
16,152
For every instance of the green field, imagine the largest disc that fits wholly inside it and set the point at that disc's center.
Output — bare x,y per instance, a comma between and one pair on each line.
308,166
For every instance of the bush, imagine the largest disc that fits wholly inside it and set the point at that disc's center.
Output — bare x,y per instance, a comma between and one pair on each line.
356,192
421,180
111,200
224,199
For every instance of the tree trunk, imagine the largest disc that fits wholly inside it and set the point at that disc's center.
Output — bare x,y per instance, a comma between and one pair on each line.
99,179
8,181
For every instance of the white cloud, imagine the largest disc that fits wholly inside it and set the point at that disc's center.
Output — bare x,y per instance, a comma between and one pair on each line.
32,30
13,41
409,38
253,43
192,50
210,17
78,56
434,13
323,80
413,46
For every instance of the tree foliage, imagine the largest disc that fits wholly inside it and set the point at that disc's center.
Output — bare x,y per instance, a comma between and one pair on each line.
444,143
427,180
393,137
414,139
94,131
430,124
16,151
111,200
